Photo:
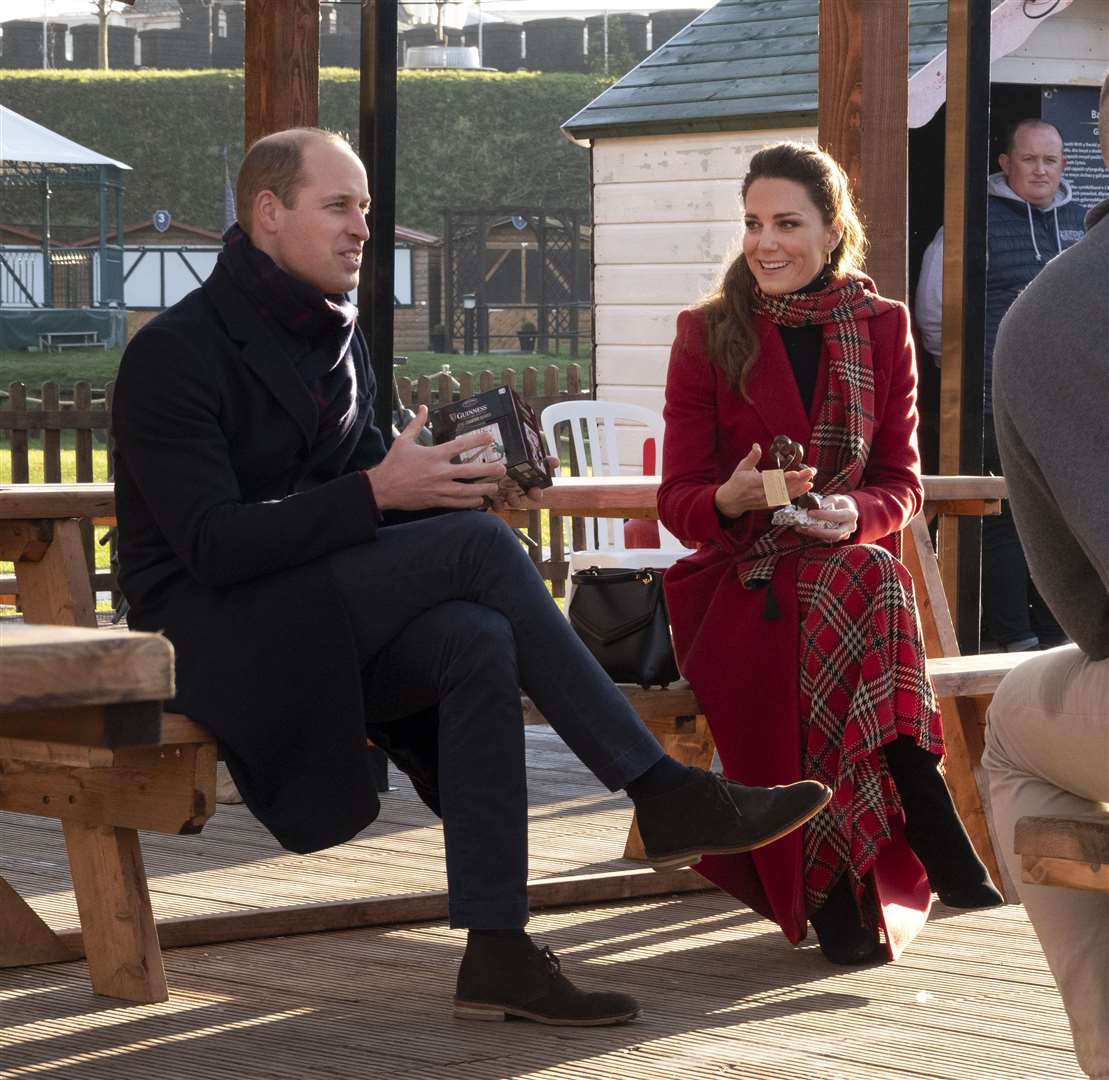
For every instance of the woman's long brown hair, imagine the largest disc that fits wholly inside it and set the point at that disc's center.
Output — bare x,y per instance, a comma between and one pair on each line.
731,338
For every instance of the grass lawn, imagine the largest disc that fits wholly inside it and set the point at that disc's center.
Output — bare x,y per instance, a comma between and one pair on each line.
95,366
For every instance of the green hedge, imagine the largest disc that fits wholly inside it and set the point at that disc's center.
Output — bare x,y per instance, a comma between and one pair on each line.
464,139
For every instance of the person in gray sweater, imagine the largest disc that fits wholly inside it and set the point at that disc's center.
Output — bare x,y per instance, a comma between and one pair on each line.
1047,740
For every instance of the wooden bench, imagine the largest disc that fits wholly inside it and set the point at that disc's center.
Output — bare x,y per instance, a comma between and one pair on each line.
83,739
1068,851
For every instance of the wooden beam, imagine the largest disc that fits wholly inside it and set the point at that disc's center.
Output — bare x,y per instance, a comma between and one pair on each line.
377,147
931,603
105,727
117,923
55,667
966,168
20,502
282,65
1077,837
885,149
1064,873
55,587
24,937
167,789
569,493
407,908
863,122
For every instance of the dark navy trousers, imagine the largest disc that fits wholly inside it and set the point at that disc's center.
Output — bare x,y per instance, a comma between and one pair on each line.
450,611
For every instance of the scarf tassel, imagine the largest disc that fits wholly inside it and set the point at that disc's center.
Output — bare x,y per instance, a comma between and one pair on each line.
770,610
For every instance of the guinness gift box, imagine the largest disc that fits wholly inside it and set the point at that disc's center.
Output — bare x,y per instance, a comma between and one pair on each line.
511,421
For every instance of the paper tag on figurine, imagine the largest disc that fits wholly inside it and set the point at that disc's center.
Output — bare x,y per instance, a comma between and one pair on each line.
774,485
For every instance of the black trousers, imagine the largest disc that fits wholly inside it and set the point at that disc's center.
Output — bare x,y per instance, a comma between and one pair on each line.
1011,605
450,611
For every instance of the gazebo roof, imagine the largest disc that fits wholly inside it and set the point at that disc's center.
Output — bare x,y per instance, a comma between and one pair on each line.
22,141
741,65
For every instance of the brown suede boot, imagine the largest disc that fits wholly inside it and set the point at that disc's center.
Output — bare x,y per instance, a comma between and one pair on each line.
511,976
710,815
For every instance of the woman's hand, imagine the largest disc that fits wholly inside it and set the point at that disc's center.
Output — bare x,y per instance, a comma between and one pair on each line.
743,490
841,511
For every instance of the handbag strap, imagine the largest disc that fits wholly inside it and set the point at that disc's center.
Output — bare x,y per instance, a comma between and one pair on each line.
597,575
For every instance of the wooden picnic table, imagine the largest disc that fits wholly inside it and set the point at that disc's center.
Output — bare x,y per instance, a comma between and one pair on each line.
83,739
40,532
171,788
636,496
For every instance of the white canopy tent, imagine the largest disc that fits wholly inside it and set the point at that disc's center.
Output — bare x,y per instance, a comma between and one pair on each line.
33,156
22,140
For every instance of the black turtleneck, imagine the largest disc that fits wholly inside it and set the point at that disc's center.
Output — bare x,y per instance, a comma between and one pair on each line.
803,345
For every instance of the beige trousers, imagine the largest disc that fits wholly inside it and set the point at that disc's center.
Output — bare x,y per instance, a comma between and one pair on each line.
1047,752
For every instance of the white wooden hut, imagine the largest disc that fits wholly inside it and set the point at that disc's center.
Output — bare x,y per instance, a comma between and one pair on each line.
671,140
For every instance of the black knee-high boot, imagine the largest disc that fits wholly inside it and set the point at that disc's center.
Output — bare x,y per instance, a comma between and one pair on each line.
934,830
839,928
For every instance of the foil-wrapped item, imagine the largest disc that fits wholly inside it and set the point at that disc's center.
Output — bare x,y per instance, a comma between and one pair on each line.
799,515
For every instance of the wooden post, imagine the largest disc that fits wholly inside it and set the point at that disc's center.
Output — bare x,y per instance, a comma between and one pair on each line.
282,64
966,168
377,147
863,122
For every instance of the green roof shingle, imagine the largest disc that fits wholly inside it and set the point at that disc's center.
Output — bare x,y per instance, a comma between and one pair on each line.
741,65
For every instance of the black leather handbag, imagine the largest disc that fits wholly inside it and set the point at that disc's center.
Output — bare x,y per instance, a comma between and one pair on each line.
621,616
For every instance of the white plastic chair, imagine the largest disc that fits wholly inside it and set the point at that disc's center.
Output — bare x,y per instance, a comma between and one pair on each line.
603,435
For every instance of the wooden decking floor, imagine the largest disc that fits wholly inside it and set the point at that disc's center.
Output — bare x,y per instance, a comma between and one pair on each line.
722,991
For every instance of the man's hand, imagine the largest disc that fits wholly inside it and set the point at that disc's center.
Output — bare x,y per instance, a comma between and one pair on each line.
414,477
839,510
743,490
511,497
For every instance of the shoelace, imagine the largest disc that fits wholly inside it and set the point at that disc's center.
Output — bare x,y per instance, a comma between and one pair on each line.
549,958
722,792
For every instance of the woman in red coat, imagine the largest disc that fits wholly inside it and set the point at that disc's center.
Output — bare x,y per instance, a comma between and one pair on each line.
802,642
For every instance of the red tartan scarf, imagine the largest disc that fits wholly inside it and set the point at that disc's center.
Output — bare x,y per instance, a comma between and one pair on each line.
844,427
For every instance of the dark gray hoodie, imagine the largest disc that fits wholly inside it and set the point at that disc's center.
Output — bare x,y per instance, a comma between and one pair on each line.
1051,410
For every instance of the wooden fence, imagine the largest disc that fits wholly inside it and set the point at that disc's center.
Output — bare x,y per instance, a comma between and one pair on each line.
430,390
28,421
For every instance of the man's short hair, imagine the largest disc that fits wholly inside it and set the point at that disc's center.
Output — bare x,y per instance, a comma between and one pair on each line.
276,163
1021,125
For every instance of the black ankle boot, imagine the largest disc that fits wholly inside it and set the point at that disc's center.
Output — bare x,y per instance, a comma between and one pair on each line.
934,830
503,976
839,929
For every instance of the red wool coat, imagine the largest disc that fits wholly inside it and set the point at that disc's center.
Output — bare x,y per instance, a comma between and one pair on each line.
743,666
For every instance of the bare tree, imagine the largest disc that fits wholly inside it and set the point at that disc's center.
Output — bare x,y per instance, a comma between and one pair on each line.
103,9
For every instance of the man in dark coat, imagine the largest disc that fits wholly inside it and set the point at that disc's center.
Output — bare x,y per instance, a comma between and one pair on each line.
317,588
